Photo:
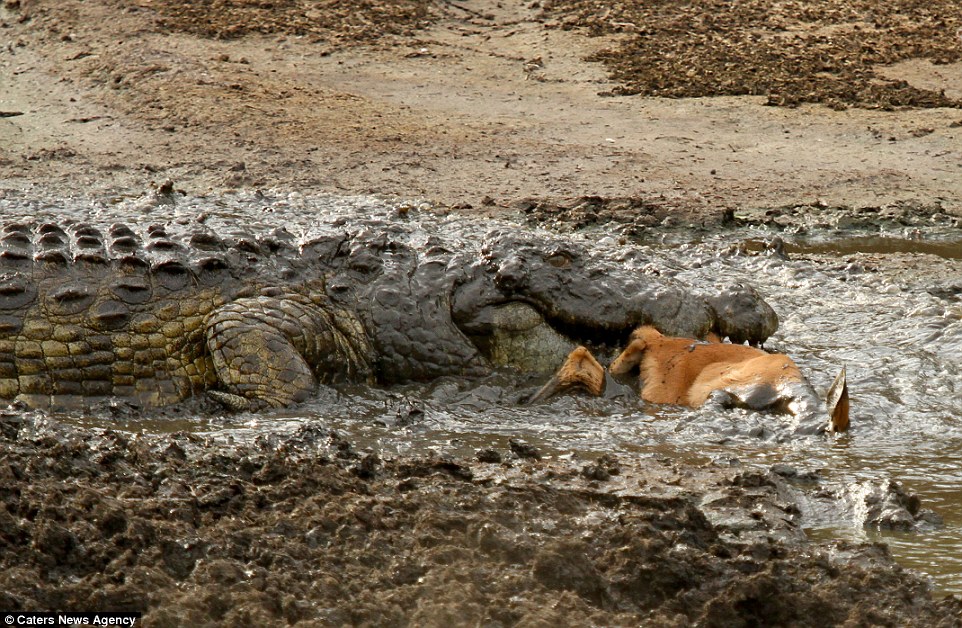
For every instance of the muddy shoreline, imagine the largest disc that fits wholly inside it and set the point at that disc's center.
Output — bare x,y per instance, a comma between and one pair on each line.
487,109
304,529
307,527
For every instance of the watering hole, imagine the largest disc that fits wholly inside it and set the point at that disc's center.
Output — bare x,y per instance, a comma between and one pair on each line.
882,302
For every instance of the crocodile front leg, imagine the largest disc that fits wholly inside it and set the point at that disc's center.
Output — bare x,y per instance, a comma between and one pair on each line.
271,351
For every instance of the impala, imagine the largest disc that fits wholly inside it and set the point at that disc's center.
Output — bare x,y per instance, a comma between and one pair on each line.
690,372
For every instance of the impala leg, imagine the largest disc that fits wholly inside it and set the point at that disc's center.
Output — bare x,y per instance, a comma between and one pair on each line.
580,371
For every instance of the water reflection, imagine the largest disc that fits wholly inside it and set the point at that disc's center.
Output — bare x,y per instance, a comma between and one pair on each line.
948,246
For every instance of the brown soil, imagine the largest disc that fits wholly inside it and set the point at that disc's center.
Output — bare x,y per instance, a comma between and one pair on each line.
303,530
477,105
791,51
342,24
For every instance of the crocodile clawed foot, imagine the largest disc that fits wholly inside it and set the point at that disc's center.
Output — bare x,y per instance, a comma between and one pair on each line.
230,401
580,371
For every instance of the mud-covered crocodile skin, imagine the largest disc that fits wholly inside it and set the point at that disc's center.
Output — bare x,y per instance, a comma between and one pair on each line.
88,314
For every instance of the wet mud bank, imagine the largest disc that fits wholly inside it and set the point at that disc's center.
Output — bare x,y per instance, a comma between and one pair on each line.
446,502
304,529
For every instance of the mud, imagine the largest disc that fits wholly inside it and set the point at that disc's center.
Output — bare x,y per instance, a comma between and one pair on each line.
272,521
305,530
790,52
328,21
484,108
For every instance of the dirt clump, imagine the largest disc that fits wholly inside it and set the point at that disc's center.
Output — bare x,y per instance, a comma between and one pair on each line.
792,52
326,21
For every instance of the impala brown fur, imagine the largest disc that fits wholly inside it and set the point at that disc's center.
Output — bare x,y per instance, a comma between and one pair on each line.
688,372
685,371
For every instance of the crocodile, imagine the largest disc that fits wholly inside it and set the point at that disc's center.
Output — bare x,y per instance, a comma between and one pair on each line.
157,315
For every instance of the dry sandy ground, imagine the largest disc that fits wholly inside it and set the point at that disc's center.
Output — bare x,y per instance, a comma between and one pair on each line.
490,104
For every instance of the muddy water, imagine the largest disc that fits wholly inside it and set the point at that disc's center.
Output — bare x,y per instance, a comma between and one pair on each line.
883,303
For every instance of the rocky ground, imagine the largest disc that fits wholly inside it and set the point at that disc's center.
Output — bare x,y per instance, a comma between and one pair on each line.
483,107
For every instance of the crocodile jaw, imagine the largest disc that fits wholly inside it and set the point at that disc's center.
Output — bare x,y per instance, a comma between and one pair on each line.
515,335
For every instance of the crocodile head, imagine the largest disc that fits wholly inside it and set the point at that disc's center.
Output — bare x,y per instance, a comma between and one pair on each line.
526,302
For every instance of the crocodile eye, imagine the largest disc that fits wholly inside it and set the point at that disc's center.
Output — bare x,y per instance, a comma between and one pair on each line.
559,259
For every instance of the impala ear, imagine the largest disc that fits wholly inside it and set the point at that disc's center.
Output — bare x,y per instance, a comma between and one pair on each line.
632,355
628,359
837,402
